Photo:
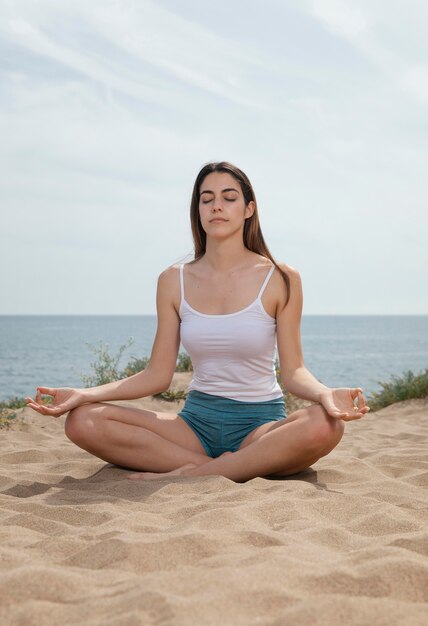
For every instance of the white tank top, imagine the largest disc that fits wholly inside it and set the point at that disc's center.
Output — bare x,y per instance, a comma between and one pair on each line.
233,355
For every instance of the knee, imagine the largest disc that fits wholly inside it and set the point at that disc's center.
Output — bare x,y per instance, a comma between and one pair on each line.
325,431
79,424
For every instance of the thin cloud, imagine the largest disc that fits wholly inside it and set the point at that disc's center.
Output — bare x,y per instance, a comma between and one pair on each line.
374,29
108,110
120,56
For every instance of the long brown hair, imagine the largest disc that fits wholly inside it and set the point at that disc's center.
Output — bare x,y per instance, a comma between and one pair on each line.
253,237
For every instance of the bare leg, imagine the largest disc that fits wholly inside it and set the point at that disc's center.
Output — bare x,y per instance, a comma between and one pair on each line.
290,448
134,438
180,471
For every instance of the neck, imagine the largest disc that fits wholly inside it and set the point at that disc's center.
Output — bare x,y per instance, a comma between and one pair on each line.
222,257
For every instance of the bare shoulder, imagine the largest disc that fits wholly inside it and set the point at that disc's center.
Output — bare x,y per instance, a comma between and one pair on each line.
295,285
169,273
292,273
290,270
169,284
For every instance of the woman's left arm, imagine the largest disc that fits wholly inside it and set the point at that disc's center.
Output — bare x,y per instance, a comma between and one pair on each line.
295,377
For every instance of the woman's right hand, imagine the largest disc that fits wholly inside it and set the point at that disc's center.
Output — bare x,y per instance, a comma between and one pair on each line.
64,399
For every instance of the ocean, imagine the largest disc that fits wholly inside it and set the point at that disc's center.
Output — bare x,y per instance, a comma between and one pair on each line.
339,350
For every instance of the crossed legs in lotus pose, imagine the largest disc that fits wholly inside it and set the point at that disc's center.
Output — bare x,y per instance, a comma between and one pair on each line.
161,444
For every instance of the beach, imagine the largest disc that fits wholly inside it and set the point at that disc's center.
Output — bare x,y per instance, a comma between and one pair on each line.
344,542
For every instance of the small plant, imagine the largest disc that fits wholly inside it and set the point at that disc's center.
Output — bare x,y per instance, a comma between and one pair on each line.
184,364
6,417
399,388
134,366
277,371
171,395
13,403
106,367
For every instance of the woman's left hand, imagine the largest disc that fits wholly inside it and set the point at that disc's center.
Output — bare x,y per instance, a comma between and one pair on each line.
339,403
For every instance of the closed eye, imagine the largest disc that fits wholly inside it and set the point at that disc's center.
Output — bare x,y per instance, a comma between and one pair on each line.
227,200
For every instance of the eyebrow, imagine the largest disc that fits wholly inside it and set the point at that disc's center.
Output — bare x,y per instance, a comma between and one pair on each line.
223,190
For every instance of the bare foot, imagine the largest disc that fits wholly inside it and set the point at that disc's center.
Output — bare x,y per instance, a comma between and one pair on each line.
180,471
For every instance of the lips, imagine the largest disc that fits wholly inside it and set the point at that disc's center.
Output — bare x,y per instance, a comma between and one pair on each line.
218,219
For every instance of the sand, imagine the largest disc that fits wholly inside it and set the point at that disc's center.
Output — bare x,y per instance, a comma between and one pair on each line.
343,543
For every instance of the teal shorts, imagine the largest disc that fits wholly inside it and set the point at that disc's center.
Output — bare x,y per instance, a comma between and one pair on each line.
222,423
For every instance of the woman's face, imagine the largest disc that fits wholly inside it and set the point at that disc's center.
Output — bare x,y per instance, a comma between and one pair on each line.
221,198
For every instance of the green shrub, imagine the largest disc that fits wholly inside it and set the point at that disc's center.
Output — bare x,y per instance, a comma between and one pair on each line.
13,403
399,388
6,417
134,366
184,364
171,395
106,367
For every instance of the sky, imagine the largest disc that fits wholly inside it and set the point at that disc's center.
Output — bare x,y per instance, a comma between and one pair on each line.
109,109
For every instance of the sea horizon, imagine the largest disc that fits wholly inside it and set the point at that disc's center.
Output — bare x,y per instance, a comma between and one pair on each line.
341,350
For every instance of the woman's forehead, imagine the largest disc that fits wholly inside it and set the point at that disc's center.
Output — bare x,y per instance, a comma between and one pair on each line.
219,179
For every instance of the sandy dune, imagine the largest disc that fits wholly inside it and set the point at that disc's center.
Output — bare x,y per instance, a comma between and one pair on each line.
343,543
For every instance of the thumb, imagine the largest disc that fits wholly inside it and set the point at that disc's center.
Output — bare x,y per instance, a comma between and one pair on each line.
331,408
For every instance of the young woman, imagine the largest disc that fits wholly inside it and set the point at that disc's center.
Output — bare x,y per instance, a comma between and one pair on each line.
229,306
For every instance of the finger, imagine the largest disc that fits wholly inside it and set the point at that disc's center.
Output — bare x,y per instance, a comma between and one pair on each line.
356,413
41,408
54,411
51,412
360,399
36,407
31,401
47,390
359,413
345,418
364,408
40,391
355,393
351,418
333,412
332,409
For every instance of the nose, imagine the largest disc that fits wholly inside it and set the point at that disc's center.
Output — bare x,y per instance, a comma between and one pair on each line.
217,204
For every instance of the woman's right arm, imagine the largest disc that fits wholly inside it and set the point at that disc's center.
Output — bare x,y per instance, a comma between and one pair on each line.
158,375
155,378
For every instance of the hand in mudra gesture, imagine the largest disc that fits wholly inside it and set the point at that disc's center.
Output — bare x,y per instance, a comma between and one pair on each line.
339,403
64,399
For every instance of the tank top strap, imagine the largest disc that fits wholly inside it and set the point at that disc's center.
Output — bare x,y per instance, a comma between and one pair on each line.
269,274
182,282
